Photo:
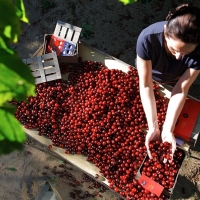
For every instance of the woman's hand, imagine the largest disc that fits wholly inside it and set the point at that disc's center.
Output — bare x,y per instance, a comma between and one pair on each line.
169,137
152,135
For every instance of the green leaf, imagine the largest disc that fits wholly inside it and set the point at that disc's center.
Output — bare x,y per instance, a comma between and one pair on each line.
7,146
12,169
2,137
9,19
4,45
17,88
10,127
86,31
11,89
125,2
16,80
22,82
7,31
87,26
9,108
21,12
83,24
13,62
6,94
61,162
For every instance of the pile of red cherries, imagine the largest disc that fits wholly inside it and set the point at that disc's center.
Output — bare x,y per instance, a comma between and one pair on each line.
161,168
96,112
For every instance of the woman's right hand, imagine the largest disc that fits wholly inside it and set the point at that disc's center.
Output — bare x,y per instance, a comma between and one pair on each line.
152,135
168,136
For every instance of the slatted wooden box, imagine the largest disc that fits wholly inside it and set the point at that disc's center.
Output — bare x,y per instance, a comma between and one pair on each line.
167,192
69,33
44,67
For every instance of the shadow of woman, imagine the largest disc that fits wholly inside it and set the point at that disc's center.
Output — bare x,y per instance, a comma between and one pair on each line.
185,189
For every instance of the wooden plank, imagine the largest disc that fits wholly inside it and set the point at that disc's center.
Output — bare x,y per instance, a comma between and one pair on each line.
33,66
63,32
49,56
51,70
30,60
42,74
51,77
69,36
57,30
49,63
38,80
36,74
78,160
76,37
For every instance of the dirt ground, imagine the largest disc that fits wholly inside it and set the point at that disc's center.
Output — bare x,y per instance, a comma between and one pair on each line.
116,28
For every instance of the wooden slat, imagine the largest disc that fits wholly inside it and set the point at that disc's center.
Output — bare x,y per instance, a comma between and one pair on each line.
48,78
50,71
31,60
51,77
49,63
33,66
76,36
49,56
42,74
38,80
57,30
69,35
36,73
63,32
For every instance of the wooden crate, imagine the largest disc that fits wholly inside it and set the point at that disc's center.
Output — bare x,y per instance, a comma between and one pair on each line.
69,33
44,67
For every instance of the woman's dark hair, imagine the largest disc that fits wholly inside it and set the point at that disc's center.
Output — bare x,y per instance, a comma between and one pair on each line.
184,24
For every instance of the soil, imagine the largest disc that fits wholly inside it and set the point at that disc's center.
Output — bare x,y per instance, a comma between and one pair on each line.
116,28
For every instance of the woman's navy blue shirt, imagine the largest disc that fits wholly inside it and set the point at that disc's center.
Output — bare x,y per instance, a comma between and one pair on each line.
150,46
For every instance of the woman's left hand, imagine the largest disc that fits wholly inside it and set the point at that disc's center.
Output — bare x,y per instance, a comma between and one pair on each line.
169,137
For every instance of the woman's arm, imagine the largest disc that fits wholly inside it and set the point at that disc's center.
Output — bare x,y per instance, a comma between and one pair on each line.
144,68
176,103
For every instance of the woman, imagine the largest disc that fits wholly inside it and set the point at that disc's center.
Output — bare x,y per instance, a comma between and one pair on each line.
168,52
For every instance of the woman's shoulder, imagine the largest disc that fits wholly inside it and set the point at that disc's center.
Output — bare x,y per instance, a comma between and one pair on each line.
153,34
155,28
150,41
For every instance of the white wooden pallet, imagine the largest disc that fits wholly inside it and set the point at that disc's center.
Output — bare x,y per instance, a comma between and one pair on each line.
68,32
44,67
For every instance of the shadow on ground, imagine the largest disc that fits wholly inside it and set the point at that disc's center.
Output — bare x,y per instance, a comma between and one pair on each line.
184,189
